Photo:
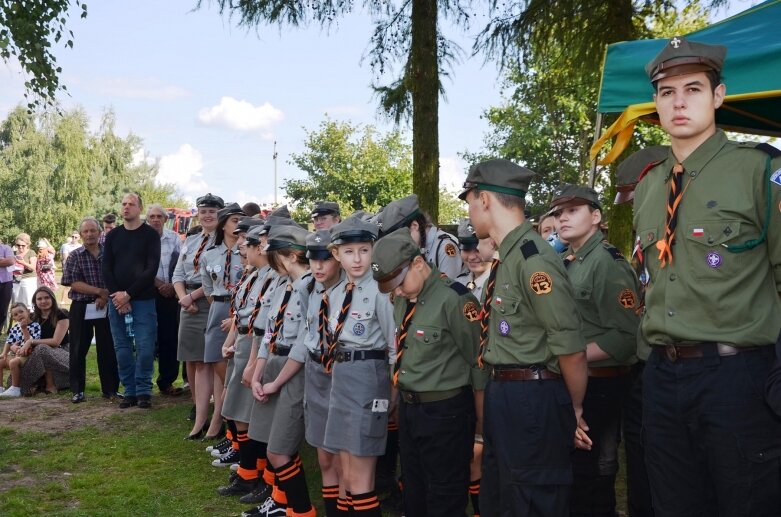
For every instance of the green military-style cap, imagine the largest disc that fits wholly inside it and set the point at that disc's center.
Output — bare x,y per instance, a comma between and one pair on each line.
391,259
325,208
247,222
286,236
467,240
398,213
353,229
209,201
573,195
630,171
253,235
317,245
363,215
498,175
281,211
681,56
229,210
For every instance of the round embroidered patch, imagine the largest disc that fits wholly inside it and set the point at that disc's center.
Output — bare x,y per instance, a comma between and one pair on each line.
450,250
470,311
627,299
713,259
541,283
359,329
504,328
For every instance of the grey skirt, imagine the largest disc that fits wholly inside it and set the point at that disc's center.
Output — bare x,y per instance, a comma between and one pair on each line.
192,328
317,393
280,421
238,397
353,424
215,337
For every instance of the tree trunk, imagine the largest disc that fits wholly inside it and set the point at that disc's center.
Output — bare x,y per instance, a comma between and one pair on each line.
424,84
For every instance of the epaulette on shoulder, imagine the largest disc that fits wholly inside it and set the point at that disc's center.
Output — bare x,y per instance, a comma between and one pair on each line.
529,249
647,169
774,152
614,252
458,287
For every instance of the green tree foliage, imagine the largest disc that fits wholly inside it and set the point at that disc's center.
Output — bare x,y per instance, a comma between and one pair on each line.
27,30
553,53
406,32
358,167
53,172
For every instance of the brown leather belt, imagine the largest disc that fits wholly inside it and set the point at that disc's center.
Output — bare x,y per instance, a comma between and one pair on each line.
423,397
609,371
673,351
523,374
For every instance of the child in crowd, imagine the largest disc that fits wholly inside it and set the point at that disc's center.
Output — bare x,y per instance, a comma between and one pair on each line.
17,347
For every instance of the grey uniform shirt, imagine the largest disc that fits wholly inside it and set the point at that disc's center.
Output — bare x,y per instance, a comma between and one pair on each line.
442,251
475,285
369,324
311,336
213,263
293,318
185,270
243,311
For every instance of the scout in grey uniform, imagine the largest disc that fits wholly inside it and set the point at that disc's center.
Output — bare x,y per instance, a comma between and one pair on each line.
327,276
437,338
221,269
278,382
440,248
195,309
326,215
606,296
362,333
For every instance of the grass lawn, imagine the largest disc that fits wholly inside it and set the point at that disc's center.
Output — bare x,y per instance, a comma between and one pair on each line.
92,459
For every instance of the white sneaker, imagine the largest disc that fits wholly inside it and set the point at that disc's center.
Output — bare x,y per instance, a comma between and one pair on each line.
13,391
234,467
2,389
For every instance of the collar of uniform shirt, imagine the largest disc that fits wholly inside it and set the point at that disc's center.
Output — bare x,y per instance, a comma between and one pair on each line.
512,238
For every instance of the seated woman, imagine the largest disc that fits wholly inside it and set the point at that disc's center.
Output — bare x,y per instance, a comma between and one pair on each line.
14,352
48,363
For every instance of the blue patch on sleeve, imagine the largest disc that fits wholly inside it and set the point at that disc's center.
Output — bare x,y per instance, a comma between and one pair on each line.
776,177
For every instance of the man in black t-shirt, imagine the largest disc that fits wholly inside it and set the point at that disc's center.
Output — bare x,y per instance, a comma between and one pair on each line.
131,257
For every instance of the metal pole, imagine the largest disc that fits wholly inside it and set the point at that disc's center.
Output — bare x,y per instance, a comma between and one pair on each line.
275,173
592,173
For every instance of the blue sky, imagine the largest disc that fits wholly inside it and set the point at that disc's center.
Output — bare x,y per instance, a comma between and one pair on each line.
209,99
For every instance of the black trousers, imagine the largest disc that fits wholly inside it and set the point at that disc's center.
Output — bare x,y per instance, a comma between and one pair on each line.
529,431
593,489
638,491
81,333
435,446
712,445
6,293
167,340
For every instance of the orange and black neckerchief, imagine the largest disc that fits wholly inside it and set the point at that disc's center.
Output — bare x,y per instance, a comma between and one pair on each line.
244,275
280,319
485,314
258,302
674,198
322,327
226,272
401,339
333,338
197,258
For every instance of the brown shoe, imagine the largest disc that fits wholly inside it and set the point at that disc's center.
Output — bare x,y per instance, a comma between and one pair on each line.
171,391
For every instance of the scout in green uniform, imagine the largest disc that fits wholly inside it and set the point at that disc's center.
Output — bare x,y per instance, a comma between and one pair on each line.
436,373
531,343
606,297
708,218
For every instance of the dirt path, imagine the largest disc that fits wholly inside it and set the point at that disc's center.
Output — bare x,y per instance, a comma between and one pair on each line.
55,414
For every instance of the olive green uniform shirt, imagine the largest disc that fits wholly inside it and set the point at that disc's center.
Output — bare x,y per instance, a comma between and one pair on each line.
707,293
443,338
606,295
533,318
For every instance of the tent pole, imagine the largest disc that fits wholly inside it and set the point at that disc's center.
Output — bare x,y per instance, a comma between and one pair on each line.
597,132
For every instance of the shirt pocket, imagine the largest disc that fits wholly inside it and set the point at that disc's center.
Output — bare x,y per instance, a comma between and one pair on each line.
424,335
358,326
706,243
505,315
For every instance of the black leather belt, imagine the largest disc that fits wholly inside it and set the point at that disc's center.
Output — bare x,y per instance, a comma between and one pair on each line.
345,356
281,350
675,351
411,397
609,371
316,356
221,298
243,330
259,332
192,286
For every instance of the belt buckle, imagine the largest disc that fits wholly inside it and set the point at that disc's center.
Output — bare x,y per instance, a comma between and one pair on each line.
410,398
671,352
340,357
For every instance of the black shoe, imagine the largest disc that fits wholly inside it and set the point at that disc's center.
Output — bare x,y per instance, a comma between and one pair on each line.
191,416
199,434
128,401
171,391
145,401
257,496
223,444
112,395
269,508
238,487
228,459
77,397
220,434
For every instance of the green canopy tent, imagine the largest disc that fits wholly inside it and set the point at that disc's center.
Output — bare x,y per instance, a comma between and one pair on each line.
752,73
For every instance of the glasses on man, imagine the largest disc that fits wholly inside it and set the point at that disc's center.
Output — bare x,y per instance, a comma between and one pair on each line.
21,245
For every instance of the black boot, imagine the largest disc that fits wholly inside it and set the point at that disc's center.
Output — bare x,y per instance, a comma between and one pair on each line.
239,486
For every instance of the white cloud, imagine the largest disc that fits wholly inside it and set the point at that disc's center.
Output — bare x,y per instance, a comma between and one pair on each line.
452,172
147,88
240,115
183,169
